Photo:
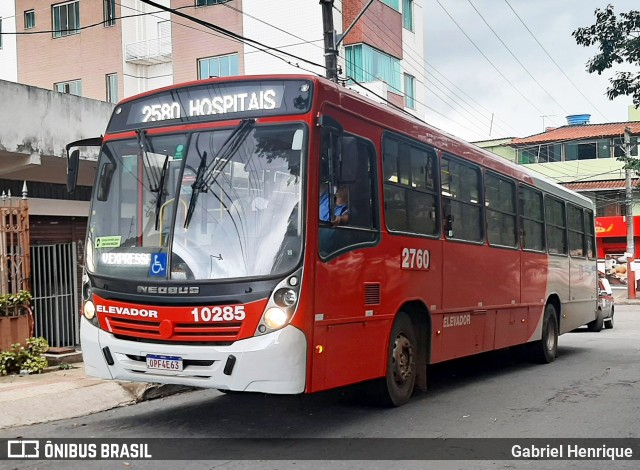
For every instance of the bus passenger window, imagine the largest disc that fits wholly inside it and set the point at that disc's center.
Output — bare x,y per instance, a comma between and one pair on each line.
531,219
462,208
554,213
500,203
410,197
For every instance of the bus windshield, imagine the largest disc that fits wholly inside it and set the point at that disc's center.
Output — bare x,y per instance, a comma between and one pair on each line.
214,204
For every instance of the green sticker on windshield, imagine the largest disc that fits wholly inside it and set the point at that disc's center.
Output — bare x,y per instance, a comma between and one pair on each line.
108,242
179,152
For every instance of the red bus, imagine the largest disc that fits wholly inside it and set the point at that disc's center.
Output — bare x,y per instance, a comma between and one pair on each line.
215,256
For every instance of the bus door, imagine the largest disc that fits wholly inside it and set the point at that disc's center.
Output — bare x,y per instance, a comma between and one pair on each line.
348,339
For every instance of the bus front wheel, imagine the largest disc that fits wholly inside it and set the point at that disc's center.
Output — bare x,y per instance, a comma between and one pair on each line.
545,349
396,388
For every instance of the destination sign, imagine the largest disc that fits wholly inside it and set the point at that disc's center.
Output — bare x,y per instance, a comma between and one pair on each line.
213,101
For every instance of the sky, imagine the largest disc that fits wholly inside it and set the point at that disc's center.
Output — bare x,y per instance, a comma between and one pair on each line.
484,91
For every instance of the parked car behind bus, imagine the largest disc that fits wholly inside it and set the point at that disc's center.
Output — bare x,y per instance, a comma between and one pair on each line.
605,306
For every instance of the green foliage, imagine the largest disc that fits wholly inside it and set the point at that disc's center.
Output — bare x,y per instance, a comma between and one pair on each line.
618,43
20,358
10,303
65,366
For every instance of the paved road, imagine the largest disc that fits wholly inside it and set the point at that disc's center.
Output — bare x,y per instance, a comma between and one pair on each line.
591,390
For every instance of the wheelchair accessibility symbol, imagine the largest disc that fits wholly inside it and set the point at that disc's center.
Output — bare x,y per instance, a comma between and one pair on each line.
158,266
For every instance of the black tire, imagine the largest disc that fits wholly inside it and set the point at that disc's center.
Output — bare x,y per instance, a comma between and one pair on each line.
609,322
545,349
596,325
396,388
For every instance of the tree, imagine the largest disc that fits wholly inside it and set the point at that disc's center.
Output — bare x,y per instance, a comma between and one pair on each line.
618,42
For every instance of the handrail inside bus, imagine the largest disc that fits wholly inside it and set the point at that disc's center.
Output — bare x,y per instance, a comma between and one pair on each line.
161,214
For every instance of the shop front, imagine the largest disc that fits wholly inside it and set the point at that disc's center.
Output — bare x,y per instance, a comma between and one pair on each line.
611,244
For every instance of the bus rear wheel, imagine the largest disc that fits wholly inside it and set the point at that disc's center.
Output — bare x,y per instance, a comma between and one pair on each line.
545,349
396,388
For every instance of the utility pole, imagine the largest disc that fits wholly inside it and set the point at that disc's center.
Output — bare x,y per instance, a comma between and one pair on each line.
330,51
631,275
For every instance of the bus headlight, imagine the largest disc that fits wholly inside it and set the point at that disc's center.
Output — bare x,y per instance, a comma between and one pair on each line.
89,310
275,318
281,306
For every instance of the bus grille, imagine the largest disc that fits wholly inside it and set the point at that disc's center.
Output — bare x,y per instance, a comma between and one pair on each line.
135,329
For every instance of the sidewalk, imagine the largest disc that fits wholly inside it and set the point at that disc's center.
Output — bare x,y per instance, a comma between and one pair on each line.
620,296
62,394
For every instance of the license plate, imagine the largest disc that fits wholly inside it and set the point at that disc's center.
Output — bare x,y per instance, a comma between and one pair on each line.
172,363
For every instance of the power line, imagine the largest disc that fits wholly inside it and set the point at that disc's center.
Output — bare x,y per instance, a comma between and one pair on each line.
554,62
251,42
515,57
489,60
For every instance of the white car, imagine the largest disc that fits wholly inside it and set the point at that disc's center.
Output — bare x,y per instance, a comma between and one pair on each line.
605,307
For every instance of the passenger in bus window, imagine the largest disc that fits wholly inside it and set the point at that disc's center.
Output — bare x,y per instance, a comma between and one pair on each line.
341,207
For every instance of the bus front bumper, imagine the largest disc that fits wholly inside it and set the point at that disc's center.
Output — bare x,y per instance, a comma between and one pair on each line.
273,363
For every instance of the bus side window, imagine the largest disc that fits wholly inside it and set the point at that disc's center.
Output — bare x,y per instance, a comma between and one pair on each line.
410,184
360,200
461,200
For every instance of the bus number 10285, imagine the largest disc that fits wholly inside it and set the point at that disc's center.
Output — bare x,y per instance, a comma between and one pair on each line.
413,258
218,314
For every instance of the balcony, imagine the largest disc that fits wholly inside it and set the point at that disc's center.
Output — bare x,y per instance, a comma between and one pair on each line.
149,52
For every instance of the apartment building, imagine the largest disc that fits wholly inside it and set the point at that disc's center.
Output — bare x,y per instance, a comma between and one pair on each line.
111,49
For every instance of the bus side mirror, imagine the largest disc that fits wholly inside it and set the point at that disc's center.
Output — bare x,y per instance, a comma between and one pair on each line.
348,161
73,165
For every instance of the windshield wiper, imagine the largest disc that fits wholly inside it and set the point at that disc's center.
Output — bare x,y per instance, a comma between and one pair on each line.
160,198
205,175
197,186
143,143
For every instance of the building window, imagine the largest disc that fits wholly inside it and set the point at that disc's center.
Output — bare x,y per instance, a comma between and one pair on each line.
619,150
545,153
204,3
587,150
395,4
109,10
73,87
407,14
29,19
66,19
220,66
112,87
366,64
409,91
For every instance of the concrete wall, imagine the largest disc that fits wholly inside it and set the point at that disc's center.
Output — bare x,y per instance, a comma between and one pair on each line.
42,122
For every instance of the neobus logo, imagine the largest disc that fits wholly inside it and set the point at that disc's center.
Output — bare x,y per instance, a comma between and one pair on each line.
168,290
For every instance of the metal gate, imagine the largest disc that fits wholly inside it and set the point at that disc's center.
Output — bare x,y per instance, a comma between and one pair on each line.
54,279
